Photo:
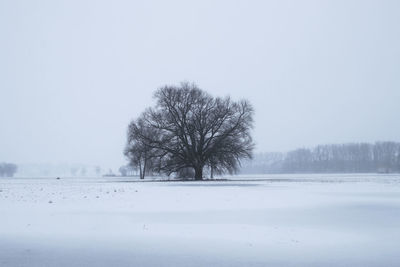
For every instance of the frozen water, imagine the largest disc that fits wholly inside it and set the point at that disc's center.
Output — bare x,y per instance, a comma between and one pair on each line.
272,220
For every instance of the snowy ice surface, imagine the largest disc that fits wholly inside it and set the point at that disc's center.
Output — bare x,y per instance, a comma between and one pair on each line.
271,220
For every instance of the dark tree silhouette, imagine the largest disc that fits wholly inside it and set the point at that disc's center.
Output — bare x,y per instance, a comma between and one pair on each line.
188,128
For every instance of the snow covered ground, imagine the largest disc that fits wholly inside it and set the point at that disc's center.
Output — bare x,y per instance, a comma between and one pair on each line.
274,220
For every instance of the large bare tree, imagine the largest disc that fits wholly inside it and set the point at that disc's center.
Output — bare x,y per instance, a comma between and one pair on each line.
188,128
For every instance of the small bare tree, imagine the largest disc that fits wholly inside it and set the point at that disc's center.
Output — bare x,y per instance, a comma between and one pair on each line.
123,170
8,169
188,128
97,169
138,149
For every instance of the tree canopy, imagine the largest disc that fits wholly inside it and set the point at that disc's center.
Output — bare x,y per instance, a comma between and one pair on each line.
188,128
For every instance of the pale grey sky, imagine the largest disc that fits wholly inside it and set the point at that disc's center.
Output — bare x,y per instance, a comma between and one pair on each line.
74,73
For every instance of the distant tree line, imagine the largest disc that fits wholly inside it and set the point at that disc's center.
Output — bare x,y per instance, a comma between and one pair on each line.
7,169
381,157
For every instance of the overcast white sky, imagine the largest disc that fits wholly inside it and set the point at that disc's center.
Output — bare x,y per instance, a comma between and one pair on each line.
74,73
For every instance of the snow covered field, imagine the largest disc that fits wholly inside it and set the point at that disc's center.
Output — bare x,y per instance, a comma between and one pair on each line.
274,220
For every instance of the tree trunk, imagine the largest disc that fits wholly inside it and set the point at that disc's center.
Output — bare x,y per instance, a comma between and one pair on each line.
198,173
140,169
144,167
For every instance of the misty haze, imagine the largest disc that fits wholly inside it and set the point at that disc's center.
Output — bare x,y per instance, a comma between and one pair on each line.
199,133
